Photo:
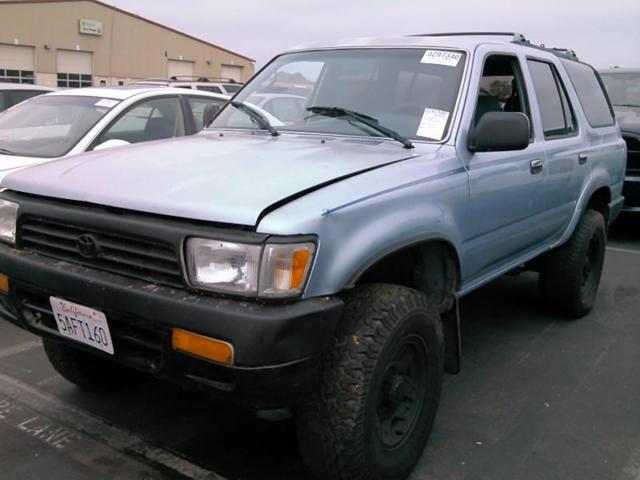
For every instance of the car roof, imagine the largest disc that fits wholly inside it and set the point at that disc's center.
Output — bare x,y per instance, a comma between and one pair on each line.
462,41
619,70
25,86
122,93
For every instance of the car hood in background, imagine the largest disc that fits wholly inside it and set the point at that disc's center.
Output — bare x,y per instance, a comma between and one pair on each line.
227,179
628,118
11,163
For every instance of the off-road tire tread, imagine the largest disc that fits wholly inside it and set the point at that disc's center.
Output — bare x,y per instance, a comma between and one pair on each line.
561,269
326,423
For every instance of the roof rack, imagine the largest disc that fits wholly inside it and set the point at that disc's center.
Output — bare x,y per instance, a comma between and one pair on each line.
187,78
516,37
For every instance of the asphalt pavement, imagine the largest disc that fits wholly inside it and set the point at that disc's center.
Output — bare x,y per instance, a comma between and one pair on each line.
538,398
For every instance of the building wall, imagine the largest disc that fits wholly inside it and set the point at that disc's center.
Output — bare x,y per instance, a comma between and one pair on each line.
129,48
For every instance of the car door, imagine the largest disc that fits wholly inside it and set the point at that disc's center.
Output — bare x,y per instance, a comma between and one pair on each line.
506,187
565,159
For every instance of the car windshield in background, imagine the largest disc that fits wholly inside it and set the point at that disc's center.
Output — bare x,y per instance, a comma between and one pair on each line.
623,88
50,126
412,91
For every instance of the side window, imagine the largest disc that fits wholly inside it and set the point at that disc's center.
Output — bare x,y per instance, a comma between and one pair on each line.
198,105
501,87
558,119
4,104
148,120
590,92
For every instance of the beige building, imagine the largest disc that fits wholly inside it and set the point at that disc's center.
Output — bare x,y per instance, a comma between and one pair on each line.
74,43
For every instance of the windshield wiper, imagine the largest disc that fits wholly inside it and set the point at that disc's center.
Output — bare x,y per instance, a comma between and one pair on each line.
6,151
625,105
260,119
338,112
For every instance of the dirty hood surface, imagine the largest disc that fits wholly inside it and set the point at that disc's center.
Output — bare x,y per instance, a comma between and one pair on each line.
227,179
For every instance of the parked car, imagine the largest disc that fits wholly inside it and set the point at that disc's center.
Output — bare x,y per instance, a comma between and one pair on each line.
14,93
68,122
226,86
623,86
316,267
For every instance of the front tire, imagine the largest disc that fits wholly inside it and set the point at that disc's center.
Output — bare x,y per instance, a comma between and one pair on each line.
570,275
380,387
85,370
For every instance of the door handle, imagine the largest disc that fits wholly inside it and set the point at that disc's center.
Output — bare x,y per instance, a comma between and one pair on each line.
536,166
582,158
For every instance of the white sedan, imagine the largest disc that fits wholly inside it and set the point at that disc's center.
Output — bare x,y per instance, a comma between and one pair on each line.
68,122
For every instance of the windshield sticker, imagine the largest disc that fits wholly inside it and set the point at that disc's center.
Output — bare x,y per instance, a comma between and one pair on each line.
433,123
441,57
106,102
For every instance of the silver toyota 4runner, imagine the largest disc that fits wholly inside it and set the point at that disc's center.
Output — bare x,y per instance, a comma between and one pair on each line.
315,266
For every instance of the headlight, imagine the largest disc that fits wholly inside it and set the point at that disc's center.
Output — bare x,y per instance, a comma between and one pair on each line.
223,266
275,271
8,216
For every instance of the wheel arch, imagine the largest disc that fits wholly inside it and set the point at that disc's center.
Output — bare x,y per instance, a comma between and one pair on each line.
430,265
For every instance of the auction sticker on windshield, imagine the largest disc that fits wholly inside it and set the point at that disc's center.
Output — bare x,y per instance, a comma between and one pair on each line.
441,57
82,324
433,123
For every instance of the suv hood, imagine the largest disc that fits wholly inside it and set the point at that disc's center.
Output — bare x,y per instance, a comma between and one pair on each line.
227,179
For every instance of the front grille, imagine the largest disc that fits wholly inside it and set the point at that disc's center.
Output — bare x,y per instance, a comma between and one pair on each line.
135,344
633,154
148,260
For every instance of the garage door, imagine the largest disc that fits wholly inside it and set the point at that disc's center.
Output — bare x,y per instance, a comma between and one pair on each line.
16,63
74,69
232,72
181,68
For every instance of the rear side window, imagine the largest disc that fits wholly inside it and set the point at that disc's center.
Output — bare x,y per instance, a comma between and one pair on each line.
590,92
17,96
558,119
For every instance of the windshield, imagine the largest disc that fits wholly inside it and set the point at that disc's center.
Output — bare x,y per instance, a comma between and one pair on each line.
412,91
50,126
623,88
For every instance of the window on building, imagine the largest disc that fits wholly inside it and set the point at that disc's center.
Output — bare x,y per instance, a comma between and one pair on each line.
16,76
74,80
558,119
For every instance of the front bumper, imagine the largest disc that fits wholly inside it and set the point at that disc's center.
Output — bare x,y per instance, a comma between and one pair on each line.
276,346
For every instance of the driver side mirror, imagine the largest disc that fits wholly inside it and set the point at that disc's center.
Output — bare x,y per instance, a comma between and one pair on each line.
499,132
210,112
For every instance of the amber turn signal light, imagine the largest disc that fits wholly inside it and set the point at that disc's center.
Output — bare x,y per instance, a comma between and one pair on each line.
4,283
201,346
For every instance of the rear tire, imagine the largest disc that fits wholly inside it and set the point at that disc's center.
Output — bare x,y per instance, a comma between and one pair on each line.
570,275
85,370
379,390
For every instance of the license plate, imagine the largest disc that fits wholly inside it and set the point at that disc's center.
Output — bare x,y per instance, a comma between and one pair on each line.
82,324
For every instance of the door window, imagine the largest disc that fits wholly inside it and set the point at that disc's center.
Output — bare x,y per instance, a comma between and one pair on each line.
558,119
198,106
501,88
148,120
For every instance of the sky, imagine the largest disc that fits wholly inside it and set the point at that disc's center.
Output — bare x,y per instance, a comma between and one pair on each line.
604,32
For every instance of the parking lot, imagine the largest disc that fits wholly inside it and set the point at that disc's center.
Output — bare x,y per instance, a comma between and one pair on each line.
538,398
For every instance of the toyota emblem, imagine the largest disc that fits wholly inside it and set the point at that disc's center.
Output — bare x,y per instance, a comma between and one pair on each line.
87,246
